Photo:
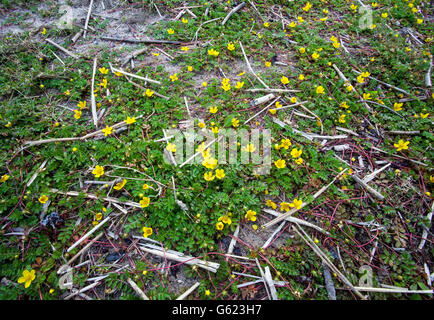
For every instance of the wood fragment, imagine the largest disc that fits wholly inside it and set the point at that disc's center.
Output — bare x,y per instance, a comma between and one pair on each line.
428,82
372,175
137,289
271,90
92,95
233,241
69,53
267,289
270,238
149,41
387,290
234,10
367,187
270,283
386,84
425,229
264,109
99,225
250,67
86,24
35,175
331,291
135,76
188,292
93,285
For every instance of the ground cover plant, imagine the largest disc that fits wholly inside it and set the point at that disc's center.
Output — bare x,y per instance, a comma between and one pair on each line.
95,202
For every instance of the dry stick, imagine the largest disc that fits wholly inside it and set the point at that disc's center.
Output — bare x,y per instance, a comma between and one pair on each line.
428,82
179,15
87,19
92,95
403,132
135,76
62,48
263,278
66,265
426,229
401,157
372,175
186,105
87,136
234,10
150,41
386,84
265,245
233,241
325,259
316,195
367,187
250,67
144,89
133,55
197,153
188,292
269,281
137,289
94,196
384,106
290,106
198,29
387,290
165,53
271,90
320,121
99,225
347,131
258,113
93,285
296,220
257,11
35,175
191,13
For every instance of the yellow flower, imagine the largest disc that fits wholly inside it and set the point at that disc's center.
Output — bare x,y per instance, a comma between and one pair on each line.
251,215
353,7
292,24
307,7
424,115
301,77
146,232
44,31
231,46
284,80
213,109
107,130
225,220
4,178
397,106
299,161
201,125
208,176
384,15
401,145
149,93
293,100
220,174
302,50
374,4
145,186
209,163
98,216
285,143
204,84
170,31
296,153
301,20
120,185
185,49
284,206
155,54
174,77
419,21
372,26
271,204
130,120
27,278
189,68
349,88
280,164
171,147
315,56
296,204
235,122
145,202
77,114
81,104
213,52
320,90
336,44
67,92
239,85
219,226
98,171
103,70
342,118
273,111
184,20
367,96
215,130
278,105
344,105
249,148
42,199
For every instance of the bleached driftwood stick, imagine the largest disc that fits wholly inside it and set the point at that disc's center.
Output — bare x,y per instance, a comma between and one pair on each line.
135,76
263,278
69,53
250,67
296,220
234,10
305,237
93,285
233,241
188,292
99,225
258,113
133,55
262,99
425,229
137,289
267,243
93,196
186,105
270,283
86,24
372,175
367,187
207,265
65,267
92,95
271,90
386,290
35,175
315,196
428,82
